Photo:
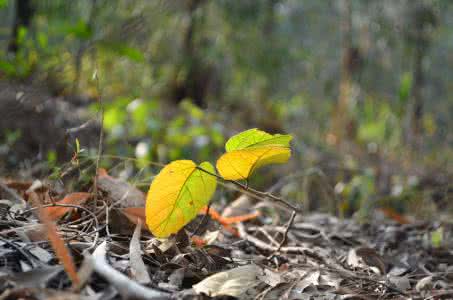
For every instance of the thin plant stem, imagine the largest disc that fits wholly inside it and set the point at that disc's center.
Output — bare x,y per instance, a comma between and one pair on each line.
254,191
101,133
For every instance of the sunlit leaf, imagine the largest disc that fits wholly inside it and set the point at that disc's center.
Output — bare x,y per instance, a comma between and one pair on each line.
250,150
255,138
176,196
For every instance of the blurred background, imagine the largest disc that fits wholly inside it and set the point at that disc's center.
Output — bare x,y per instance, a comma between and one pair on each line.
365,87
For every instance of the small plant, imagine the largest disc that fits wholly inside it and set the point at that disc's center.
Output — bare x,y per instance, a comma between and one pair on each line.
182,187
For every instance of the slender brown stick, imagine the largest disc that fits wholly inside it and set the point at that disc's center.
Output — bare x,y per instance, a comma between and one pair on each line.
101,133
288,227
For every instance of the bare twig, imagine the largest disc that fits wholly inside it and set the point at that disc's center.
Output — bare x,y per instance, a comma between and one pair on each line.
440,294
96,222
107,218
31,259
265,246
287,228
80,127
101,133
338,268
247,188
124,285
296,231
331,265
268,236
149,162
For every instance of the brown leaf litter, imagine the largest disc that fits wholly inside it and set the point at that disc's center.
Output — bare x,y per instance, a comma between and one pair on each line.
313,256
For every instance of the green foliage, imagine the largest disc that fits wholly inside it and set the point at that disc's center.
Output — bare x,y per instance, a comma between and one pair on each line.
23,62
250,150
269,64
190,130
121,50
357,194
437,237
51,158
79,30
254,138
404,92
379,123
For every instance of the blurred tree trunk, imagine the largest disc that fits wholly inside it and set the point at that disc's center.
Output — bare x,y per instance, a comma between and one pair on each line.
192,90
342,124
267,119
423,19
416,112
191,76
23,14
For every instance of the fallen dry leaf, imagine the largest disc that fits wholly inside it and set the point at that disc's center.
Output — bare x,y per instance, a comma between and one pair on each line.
238,282
135,214
138,268
272,278
57,243
211,236
35,278
127,287
312,278
198,241
121,192
19,186
395,216
56,212
366,257
208,238
401,282
425,283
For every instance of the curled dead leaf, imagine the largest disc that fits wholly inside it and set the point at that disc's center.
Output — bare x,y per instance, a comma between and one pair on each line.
363,256
120,191
57,212
57,243
238,282
134,214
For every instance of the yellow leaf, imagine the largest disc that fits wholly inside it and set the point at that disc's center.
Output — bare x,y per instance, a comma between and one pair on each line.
176,196
250,150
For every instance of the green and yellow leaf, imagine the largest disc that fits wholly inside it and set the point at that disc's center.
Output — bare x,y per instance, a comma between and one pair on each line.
250,150
176,196
256,138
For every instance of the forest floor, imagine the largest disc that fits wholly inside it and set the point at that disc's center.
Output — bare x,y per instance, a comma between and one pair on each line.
270,254
97,249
